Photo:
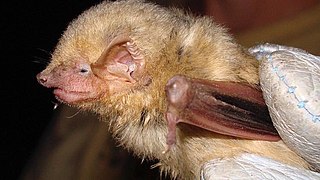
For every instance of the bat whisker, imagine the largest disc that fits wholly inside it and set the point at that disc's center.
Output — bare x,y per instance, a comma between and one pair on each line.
40,62
72,116
155,165
45,51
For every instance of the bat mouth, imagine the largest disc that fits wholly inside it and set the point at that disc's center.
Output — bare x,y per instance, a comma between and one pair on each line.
71,97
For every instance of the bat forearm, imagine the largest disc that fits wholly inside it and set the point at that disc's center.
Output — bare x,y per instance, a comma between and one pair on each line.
228,108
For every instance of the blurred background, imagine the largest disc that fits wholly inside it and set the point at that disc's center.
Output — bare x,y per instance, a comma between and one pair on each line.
40,142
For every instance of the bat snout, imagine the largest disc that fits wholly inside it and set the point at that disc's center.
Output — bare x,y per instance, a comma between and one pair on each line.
41,79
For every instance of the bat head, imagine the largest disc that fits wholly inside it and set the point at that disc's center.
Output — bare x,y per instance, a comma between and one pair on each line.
73,83
119,68
103,53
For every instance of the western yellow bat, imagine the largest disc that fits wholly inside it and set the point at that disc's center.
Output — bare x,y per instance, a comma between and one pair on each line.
117,60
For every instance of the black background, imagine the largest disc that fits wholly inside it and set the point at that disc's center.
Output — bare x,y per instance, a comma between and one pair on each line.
29,33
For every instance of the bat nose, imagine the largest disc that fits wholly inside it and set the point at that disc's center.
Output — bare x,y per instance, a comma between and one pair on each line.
42,79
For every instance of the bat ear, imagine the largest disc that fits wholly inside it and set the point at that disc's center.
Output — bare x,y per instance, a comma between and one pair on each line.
120,61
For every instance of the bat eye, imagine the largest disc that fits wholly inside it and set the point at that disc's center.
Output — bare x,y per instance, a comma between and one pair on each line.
84,69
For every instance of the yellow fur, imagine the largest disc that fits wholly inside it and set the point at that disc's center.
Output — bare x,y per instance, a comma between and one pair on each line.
172,42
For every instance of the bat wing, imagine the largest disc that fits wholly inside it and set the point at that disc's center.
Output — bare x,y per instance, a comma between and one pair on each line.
228,108
250,166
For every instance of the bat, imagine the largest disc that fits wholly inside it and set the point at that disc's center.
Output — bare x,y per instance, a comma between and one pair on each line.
117,60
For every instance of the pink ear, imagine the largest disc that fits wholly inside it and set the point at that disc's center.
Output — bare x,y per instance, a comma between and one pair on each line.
121,61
